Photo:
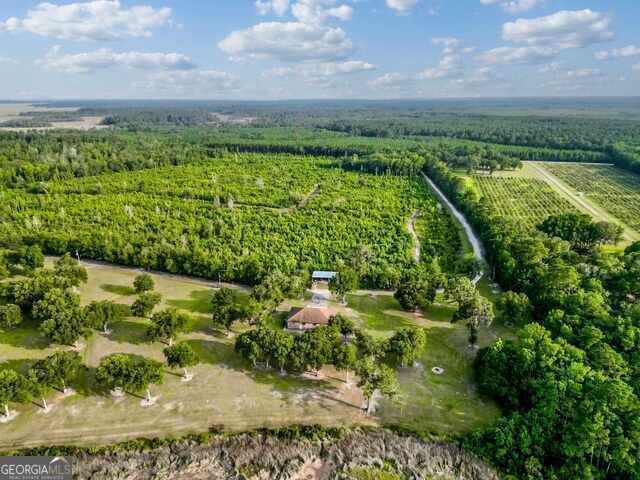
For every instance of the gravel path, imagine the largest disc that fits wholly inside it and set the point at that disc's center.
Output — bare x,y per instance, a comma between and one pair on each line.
476,245
579,201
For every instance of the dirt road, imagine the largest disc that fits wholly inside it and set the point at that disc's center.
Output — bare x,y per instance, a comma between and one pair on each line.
582,203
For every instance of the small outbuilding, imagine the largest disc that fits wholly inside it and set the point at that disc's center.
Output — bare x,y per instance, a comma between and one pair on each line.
322,276
306,318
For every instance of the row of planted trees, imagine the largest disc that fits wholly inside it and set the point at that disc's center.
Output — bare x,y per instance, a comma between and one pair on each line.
117,373
339,344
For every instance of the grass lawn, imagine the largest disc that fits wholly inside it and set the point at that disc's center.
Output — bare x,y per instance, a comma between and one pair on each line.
226,393
430,403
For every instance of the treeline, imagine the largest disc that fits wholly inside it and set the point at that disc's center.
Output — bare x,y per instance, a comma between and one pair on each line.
26,158
547,132
144,118
569,386
340,344
625,156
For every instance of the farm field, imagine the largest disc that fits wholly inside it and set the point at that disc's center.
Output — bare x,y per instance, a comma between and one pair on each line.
525,200
232,218
225,392
615,190
20,112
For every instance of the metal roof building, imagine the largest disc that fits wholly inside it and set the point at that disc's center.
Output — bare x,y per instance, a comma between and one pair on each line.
319,276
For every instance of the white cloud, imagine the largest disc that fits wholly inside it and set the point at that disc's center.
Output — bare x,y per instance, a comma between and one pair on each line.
288,41
583,73
329,69
450,64
278,7
106,58
192,82
480,76
7,60
624,52
389,81
550,67
573,78
517,55
515,6
322,74
402,6
94,20
637,67
317,12
278,72
562,30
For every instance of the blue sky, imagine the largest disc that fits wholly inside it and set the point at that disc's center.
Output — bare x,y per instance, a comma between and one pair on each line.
280,49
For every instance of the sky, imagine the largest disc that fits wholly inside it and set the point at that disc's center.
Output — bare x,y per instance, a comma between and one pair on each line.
318,49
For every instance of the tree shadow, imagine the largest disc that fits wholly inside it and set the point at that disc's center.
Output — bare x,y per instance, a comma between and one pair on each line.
199,302
126,331
26,335
216,353
20,365
85,384
123,290
199,323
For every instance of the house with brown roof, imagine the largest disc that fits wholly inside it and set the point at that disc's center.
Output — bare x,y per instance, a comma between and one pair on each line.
308,317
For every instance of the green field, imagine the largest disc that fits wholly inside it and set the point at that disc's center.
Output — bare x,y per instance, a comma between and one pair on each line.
527,201
615,190
225,392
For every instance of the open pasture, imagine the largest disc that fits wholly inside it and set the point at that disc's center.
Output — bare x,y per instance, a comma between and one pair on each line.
615,190
226,393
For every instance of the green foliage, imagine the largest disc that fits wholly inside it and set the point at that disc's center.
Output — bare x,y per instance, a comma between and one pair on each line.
57,370
9,388
413,294
375,378
10,316
405,345
568,385
523,200
579,230
60,316
226,310
264,232
342,324
181,355
131,373
344,282
143,283
145,303
515,308
103,313
69,268
30,257
166,325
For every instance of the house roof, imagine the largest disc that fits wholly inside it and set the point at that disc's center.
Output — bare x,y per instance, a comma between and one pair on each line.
323,275
312,315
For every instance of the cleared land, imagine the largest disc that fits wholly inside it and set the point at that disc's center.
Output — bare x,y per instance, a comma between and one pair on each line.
20,111
615,190
226,393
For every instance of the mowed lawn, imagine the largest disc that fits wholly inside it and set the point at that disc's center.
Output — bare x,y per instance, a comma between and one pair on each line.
226,394
447,403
